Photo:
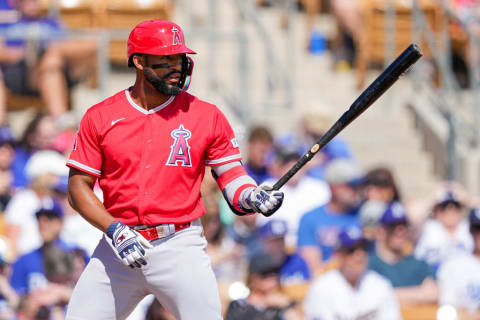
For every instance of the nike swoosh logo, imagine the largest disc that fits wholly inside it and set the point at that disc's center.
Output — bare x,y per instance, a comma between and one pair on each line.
115,121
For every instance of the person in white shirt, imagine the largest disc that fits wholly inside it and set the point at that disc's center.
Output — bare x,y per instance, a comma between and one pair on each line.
351,292
304,193
446,234
459,277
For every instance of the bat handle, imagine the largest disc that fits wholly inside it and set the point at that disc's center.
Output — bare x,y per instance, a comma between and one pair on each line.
300,163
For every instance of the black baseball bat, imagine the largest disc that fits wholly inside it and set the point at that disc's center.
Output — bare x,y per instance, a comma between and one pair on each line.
384,81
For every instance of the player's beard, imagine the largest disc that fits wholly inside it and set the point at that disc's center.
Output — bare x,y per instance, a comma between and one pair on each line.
160,84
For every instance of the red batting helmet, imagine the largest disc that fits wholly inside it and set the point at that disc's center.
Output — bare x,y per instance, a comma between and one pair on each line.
156,37
160,37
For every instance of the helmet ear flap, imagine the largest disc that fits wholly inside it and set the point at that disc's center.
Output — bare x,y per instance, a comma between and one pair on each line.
187,70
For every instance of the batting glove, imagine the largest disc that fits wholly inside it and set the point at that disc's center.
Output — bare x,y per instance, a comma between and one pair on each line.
130,244
263,199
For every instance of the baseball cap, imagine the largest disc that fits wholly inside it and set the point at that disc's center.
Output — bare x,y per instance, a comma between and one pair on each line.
263,264
448,196
317,121
50,210
6,135
394,213
273,229
371,211
46,161
349,238
343,171
474,217
62,185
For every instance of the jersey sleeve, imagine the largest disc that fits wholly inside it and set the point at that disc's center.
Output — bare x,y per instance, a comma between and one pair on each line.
86,154
224,147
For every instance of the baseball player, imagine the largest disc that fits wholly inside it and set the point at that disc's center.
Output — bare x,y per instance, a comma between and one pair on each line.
148,146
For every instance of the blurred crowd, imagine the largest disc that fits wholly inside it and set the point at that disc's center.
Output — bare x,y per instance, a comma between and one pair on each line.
344,245
344,236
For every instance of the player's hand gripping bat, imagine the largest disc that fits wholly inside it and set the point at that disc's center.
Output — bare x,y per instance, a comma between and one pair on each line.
384,81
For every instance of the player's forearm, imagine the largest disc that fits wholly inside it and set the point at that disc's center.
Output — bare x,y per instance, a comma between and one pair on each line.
85,202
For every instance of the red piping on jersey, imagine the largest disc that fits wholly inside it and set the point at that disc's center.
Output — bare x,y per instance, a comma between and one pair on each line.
239,191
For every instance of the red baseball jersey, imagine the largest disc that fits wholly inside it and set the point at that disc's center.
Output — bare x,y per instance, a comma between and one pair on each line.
150,163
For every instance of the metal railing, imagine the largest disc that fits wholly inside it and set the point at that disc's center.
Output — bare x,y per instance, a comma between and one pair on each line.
459,107
239,98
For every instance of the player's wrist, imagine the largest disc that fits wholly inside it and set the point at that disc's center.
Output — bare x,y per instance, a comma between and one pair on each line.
112,228
244,200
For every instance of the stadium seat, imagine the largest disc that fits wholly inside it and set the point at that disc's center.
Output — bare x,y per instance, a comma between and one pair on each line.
371,46
124,15
420,312
17,102
76,14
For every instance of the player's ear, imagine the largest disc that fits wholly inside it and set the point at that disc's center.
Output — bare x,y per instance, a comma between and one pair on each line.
139,61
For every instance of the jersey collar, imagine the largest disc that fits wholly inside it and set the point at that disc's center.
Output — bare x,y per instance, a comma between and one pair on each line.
144,111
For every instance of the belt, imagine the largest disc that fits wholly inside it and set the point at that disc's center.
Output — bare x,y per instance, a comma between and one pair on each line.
161,231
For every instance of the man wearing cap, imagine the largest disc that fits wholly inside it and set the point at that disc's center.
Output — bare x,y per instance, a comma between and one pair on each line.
351,292
459,277
412,279
315,124
28,270
44,170
318,229
293,269
265,300
446,233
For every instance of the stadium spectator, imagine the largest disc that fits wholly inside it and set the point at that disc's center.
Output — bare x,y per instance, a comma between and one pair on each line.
459,277
446,233
318,229
7,154
226,256
351,292
412,279
298,191
45,276
313,125
40,134
293,269
369,215
260,141
244,232
36,58
380,185
265,300
47,263
44,170
8,297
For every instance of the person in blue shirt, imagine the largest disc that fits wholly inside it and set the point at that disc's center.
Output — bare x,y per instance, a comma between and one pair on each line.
413,279
33,271
36,58
293,269
318,229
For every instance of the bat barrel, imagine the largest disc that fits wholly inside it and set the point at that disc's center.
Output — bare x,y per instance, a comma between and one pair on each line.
383,82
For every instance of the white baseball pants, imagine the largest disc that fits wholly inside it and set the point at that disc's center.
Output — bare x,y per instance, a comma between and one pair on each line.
178,273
